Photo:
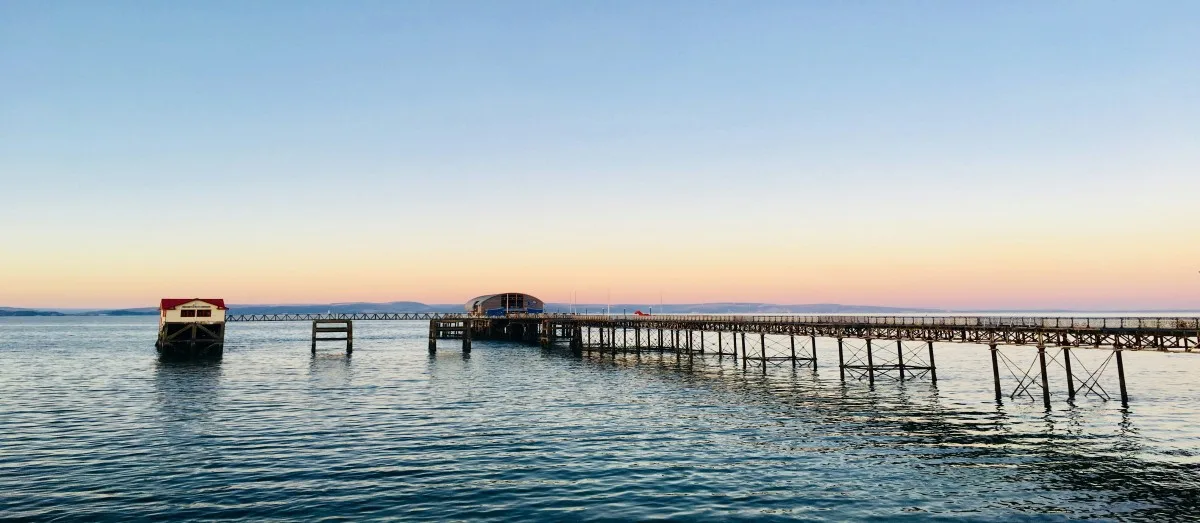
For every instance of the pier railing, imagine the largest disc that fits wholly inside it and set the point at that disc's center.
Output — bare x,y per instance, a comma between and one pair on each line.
392,316
1045,322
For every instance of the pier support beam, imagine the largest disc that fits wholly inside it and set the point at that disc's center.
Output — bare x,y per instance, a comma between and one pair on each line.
577,340
745,356
1045,380
1066,351
996,373
1121,378
841,361
900,357
762,350
932,365
870,363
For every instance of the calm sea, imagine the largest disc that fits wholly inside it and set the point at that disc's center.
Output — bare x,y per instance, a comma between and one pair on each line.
93,427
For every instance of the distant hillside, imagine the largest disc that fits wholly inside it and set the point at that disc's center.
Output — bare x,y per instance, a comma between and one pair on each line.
10,311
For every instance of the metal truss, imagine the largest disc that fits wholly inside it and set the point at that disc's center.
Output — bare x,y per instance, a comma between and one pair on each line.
1034,377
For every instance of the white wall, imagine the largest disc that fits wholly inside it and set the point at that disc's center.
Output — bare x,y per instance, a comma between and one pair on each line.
175,315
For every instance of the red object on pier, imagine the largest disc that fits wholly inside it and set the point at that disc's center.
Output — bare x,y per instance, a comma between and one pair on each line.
639,313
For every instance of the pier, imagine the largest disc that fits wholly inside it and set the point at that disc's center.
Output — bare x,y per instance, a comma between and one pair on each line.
869,347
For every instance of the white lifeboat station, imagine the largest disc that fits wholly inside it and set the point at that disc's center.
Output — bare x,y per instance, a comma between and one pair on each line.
191,327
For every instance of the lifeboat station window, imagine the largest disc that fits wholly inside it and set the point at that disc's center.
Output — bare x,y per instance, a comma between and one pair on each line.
187,313
204,313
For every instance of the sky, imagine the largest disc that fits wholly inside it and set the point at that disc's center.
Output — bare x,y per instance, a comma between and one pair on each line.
1019,154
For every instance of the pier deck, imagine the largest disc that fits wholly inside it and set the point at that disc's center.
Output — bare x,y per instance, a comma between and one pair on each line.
868,347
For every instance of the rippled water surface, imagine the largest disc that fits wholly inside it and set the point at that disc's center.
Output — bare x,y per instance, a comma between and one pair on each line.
94,427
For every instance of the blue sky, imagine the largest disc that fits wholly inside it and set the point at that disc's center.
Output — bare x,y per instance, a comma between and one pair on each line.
781,128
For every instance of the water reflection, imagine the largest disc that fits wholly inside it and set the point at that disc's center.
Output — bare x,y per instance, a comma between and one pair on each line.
187,391
536,434
910,419
331,369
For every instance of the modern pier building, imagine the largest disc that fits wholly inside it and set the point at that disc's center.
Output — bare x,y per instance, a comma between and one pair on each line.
504,304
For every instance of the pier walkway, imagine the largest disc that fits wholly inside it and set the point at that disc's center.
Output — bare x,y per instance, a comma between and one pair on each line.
868,347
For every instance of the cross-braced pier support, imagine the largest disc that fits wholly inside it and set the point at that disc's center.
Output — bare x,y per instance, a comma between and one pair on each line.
905,360
869,348
191,340
1033,379
758,348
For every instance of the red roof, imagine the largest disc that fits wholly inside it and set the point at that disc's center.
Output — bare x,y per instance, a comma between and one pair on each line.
171,303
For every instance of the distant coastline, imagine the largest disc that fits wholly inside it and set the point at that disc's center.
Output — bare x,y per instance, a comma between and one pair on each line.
629,308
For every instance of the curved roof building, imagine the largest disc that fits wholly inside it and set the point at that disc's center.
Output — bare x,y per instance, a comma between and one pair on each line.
505,303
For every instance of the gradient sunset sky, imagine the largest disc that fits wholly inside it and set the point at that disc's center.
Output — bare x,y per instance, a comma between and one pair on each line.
909,153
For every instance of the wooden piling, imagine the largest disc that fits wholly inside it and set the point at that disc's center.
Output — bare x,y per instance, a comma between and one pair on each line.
329,326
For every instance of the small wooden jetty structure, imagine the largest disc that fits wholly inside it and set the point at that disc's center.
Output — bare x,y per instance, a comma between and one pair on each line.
342,330
191,327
